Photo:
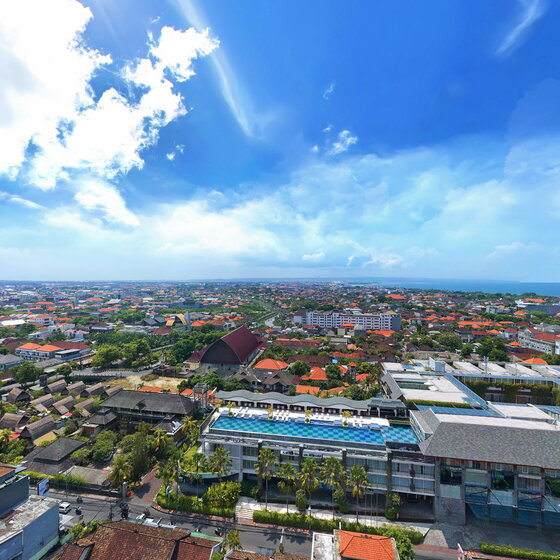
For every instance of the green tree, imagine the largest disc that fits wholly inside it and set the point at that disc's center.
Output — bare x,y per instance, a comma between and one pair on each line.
195,465
105,356
357,482
332,475
309,476
65,370
450,341
81,456
333,372
26,373
221,462
299,368
26,329
120,470
467,349
287,482
265,466
189,430
232,541
160,442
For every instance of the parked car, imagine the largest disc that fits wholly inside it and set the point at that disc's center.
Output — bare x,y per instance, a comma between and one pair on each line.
64,507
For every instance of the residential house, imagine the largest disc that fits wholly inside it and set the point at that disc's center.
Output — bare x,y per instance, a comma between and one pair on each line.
54,458
124,540
8,361
18,396
12,421
38,429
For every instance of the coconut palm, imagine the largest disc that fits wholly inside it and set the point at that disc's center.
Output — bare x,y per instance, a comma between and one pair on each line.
287,480
332,475
232,541
160,441
357,483
4,437
195,465
189,430
308,476
221,462
346,414
265,465
120,470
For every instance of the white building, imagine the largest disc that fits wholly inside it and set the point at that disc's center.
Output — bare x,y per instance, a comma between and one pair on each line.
388,321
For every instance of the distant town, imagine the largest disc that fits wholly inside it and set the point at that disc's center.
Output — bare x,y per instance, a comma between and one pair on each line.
285,420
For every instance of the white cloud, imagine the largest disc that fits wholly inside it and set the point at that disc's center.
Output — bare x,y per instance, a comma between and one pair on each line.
314,257
329,90
46,102
19,200
314,149
170,156
531,11
342,144
94,195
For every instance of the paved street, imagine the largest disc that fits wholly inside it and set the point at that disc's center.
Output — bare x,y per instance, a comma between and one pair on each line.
256,539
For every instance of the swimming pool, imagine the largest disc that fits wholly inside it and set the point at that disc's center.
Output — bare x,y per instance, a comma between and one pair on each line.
377,436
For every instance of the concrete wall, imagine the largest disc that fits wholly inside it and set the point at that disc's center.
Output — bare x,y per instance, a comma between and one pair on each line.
41,534
14,494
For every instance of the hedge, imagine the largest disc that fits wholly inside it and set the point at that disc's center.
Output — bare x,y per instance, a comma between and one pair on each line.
421,402
61,478
328,525
505,550
190,504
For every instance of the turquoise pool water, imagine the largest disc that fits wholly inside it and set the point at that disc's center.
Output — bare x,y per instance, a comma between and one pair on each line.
378,436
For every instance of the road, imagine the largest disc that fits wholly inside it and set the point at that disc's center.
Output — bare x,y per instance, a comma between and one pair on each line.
254,539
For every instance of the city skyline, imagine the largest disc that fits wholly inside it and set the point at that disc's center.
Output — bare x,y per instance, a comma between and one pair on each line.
190,140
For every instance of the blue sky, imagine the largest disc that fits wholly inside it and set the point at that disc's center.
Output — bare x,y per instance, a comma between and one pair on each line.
188,139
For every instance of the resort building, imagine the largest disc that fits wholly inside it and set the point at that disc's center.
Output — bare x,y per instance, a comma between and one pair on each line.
389,321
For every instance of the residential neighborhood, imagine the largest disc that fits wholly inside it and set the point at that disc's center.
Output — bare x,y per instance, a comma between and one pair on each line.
402,414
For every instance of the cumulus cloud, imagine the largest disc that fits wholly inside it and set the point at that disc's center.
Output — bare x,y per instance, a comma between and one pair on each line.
55,129
343,143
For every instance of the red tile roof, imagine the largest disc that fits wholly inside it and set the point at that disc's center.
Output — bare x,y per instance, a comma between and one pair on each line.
359,546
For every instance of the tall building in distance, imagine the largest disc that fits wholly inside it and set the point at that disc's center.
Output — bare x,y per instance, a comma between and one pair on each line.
388,321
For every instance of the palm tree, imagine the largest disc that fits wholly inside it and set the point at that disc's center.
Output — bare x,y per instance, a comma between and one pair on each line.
288,480
308,414
346,414
265,464
221,462
160,441
308,479
195,466
120,470
4,437
332,475
189,430
232,541
358,482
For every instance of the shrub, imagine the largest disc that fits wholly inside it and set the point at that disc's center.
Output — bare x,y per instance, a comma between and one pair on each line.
391,513
510,551
328,525
190,504
301,500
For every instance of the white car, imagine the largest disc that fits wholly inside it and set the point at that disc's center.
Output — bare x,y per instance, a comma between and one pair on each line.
64,507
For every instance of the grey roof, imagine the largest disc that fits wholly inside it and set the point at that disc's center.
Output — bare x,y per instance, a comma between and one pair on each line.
76,387
316,401
57,386
495,440
163,403
11,421
102,418
46,400
10,359
54,458
39,428
92,476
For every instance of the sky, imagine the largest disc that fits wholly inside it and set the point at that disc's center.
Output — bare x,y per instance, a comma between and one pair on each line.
188,139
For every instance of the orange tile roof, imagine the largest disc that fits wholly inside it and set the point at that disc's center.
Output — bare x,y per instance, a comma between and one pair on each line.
48,348
360,546
29,346
271,364
535,361
316,374
307,389
151,389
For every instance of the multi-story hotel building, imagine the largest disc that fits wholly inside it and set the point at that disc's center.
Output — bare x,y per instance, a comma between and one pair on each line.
389,321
